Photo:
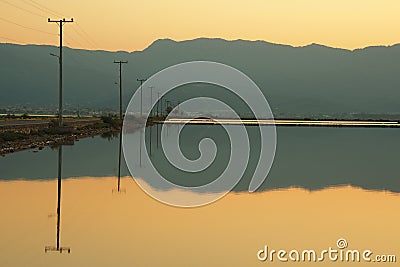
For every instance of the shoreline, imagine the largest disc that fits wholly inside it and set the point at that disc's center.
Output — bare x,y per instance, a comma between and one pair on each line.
38,139
283,122
38,142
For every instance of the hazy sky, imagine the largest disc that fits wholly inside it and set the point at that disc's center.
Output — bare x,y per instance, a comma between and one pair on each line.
133,25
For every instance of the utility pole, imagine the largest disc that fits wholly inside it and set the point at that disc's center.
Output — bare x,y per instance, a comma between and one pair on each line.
151,98
141,95
158,114
158,103
60,23
120,86
167,107
120,118
161,106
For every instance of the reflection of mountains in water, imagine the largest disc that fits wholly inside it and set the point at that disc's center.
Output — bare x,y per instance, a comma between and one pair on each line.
310,158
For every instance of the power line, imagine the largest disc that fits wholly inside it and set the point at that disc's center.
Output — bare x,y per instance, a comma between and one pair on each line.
26,27
73,40
78,54
37,7
23,9
46,8
79,30
87,35
81,33
83,37
72,56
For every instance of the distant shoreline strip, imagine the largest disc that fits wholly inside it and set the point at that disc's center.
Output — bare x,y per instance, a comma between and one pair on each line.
320,123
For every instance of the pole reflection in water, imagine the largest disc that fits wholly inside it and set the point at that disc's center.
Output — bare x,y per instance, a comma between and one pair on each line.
58,247
119,159
150,139
140,150
119,189
157,134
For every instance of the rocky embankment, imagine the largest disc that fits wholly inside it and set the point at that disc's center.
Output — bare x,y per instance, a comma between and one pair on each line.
19,135
38,142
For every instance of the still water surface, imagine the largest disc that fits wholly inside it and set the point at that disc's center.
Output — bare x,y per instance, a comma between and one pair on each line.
325,183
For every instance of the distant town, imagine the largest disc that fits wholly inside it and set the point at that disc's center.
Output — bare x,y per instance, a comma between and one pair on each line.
82,111
20,110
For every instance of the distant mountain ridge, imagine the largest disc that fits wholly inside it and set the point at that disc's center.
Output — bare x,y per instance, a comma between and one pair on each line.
312,79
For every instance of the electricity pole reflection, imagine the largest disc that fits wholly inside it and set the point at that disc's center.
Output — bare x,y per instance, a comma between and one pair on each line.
58,247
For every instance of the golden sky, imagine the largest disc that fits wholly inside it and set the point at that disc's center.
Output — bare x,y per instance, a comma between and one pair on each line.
133,25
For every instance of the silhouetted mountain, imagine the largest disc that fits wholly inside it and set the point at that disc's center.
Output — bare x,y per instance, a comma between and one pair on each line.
298,81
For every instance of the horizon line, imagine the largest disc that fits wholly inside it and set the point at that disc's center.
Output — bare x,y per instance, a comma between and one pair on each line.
207,38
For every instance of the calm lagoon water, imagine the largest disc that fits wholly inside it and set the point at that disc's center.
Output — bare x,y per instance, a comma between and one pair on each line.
325,184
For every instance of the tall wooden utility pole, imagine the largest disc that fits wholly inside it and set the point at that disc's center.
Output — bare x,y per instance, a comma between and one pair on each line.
151,98
120,86
141,95
120,118
60,23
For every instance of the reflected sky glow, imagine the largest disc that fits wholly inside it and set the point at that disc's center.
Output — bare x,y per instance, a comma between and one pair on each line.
325,184
132,229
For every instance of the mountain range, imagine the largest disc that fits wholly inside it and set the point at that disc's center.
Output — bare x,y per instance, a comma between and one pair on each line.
313,80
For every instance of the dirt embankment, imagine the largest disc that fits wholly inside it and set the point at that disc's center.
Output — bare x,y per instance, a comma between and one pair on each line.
16,135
